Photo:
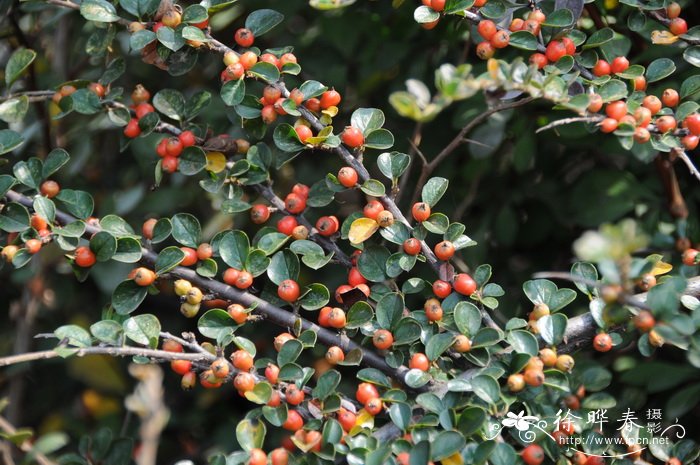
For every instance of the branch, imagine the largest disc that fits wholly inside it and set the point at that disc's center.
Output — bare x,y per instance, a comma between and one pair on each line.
274,314
577,119
26,445
459,139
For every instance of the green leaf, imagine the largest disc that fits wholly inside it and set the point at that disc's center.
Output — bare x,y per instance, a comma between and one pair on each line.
261,21
523,342
416,378
143,329
374,376
367,119
692,55
28,172
286,138
393,164
437,345
104,245
186,229
6,183
586,271
78,203
86,102
18,62
559,18
234,248
660,69
140,39
232,92
170,38
400,414
14,218
389,310
471,420
371,263
359,314
373,187
284,265
167,259
194,14
326,384
312,89
192,161
272,242
446,444
9,140
171,103
433,190
162,230
107,331
265,71
100,11
250,434
127,297
380,139
407,331
523,40
467,318
486,388
315,297
289,352
545,291
612,90
54,161
216,324
261,393
552,328
13,110
424,14
74,335
599,37
437,223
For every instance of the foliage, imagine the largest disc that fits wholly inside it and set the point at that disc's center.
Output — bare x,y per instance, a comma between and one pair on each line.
249,224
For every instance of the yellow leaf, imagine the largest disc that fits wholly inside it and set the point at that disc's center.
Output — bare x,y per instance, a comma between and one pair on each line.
661,268
364,420
455,459
362,229
663,37
330,111
216,162
492,66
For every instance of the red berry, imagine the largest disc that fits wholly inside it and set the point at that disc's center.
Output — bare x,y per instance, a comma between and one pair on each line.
601,68
411,246
608,125
419,361
678,26
533,454
485,50
673,10
619,65
288,290
444,250
259,213
355,278
487,29
170,164
244,37
330,98
616,110
352,137
49,189
327,225
501,39
442,288
464,284
539,59
373,209
142,109
670,98
287,224
365,392
555,50
303,132
190,256
245,280
187,138
666,123
347,177
420,211
173,147
84,257
294,203
690,257
132,129
382,339
652,103
602,342
570,45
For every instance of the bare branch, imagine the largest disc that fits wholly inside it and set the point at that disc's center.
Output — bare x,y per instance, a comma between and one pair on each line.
26,445
577,119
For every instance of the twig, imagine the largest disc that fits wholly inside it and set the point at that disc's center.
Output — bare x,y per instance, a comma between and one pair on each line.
689,163
274,314
26,445
155,354
147,402
577,119
459,139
